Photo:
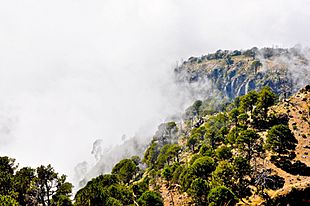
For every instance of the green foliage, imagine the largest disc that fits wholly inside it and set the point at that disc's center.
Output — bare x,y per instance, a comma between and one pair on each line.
243,119
63,193
193,110
247,142
7,169
163,156
233,134
168,154
199,132
7,165
61,200
199,190
171,126
208,181
28,186
218,121
173,152
221,196
150,198
216,129
197,104
202,167
242,170
233,116
167,173
223,174
176,174
99,190
24,179
211,106
121,193
151,154
193,158
248,101
186,178
136,159
250,52
280,139
114,202
206,150
166,133
125,170
223,153
266,98
193,141
7,200
49,184
140,187
242,166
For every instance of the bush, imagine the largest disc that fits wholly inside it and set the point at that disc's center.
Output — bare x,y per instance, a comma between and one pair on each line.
206,150
223,153
221,196
199,190
202,167
274,182
125,170
150,198
280,139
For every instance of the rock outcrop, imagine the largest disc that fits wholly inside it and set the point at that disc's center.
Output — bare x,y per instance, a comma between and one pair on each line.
234,73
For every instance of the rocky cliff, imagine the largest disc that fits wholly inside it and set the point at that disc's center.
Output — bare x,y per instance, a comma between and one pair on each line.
234,73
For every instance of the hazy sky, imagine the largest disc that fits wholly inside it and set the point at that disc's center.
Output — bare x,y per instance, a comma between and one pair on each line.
73,71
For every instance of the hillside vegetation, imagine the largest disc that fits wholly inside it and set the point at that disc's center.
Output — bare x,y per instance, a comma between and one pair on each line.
254,151
245,144
216,79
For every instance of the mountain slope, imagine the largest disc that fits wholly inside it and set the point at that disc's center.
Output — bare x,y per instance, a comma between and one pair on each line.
242,145
217,79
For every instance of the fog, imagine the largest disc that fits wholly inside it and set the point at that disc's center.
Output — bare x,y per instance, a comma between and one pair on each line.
74,71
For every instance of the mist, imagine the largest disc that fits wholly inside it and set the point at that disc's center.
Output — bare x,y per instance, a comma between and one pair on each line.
75,71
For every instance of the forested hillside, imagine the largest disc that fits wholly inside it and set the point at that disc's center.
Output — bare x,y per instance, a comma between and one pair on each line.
216,79
246,143
252,151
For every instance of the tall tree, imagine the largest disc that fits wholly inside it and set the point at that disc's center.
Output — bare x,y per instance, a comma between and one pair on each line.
7,169
125,170
202,167
50,184
223,174
233,116
199,190
248,101
25,186
151,154
242,172
266,98
246,141
280,139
